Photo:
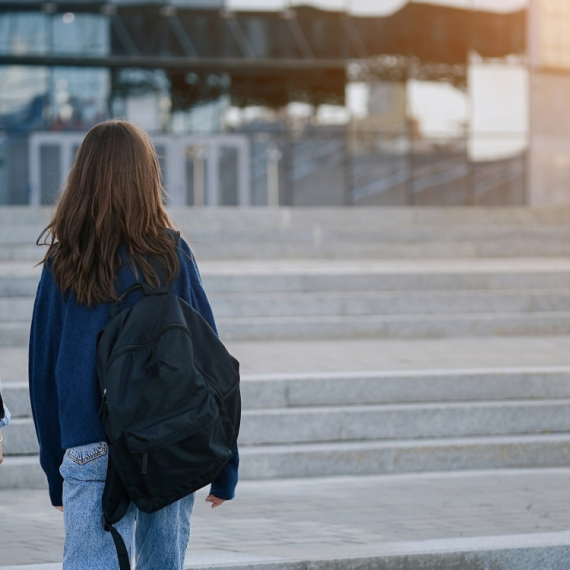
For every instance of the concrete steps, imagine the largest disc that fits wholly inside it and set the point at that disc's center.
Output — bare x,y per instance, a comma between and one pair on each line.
362,458
374,457
412,326
361,388
14,334
345,274
349,274
17,393
325,233
364,423
20,279
557,247
365,303
335,389
284,300
341,424
232,305
404,421
393,326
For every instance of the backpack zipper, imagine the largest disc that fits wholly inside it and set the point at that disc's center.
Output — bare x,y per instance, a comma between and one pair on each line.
130,347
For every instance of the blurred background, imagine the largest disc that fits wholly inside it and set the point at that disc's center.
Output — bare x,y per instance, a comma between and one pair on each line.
312,103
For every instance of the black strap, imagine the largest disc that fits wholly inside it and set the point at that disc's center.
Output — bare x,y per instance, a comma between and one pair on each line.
115,503
120,547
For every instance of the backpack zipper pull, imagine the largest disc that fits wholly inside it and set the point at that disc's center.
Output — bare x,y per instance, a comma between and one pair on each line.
144,463
103,411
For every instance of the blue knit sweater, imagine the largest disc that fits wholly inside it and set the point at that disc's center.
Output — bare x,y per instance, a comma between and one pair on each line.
63,374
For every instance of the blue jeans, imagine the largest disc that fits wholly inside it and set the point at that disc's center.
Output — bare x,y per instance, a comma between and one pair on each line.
155,541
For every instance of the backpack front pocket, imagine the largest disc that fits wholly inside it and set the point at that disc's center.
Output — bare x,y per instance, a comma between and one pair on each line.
183,449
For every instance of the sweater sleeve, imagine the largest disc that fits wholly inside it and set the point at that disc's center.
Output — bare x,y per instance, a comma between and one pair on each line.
225,482
45,336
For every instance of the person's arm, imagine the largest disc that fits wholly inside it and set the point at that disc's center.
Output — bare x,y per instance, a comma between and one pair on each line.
45,333
223,486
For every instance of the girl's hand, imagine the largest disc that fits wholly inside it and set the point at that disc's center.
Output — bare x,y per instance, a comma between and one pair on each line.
59,509
214,500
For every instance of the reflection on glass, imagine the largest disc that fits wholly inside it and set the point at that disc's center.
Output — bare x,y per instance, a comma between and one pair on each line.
78,97
23,96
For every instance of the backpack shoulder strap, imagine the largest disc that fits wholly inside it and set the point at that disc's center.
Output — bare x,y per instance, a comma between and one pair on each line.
115,503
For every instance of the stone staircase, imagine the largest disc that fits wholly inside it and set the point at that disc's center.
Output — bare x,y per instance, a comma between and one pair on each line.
332,300
274,275
369,423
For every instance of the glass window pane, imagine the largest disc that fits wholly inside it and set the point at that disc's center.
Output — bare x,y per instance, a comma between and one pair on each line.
86,34
23,96
24,33
78,96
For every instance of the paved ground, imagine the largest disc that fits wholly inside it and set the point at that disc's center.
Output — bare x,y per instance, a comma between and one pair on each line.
340,516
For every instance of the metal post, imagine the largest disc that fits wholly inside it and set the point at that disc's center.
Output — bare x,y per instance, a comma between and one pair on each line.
348,178
411,176
175,172
199,179
64,160
470,182
273,157
213,169
410,198
244,174
34,158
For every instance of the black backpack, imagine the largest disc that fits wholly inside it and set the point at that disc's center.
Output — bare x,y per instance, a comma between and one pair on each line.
170,406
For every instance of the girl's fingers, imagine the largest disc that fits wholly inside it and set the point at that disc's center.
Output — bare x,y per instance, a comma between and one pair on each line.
216,502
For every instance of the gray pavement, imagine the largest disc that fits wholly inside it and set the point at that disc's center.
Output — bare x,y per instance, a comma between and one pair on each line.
333,517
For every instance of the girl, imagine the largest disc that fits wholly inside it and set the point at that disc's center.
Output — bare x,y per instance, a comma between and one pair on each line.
110,218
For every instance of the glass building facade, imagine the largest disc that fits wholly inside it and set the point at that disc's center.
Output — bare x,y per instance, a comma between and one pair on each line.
250,104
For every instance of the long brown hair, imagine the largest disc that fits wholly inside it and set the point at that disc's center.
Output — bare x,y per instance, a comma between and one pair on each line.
113,196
